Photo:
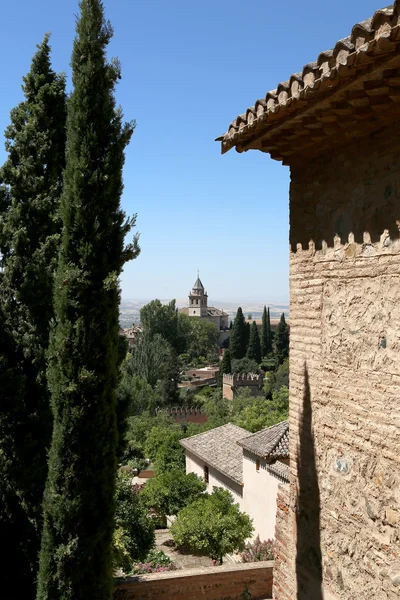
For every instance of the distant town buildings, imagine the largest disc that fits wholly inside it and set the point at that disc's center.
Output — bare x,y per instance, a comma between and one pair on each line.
250,466
131,333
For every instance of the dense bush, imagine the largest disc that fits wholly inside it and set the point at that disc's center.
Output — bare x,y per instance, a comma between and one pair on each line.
169,492
134,529
257,551
212,525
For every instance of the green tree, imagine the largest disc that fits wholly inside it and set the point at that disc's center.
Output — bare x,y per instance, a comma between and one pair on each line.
263,413
163,447
154,360
248,328
281,340
75,558
212,525
31,179
245,365
238,337
226,366
266,340
134,529
162,319
198,337
138,430
169,492
254,347
269,333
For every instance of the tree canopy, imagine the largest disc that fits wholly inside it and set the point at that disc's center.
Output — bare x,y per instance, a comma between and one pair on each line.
281,340
212,525
161,319
261,413
31,184
171,491
163,447
266,338
75,559
238,339
254,347
134,529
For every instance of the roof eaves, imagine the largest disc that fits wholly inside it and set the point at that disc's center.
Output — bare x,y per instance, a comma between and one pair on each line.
368,39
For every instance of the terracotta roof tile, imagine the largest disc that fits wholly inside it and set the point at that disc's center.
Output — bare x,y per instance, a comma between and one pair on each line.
368,40
272,442
219,449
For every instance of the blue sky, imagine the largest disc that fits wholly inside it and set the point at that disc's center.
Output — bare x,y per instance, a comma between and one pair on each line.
189,68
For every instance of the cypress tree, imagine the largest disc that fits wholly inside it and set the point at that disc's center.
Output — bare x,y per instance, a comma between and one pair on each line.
264,333
269,334
30,226
226,365
75,558
247,337
254,347
282,340
238,337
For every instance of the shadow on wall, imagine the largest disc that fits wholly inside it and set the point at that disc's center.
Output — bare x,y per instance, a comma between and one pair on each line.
308,548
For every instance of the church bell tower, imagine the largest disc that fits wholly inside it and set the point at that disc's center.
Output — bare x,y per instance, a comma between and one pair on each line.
198,299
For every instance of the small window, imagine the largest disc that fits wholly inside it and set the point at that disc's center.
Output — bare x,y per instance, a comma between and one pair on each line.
197,300
206,476
257,465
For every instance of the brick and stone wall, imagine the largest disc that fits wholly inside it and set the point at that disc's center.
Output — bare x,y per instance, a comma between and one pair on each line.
283,585
344,507
226,582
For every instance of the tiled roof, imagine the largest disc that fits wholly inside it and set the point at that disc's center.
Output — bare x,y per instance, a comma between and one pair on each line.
279,470
198,285
272,442
370,41
219,449
215,312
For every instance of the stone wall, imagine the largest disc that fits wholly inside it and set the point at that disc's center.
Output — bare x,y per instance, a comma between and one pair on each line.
344,508
232,383
214,583
283,585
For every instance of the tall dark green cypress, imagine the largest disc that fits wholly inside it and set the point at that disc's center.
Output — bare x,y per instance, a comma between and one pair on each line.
269,333
30,226
264,333
238,337
226,366
281,340
247,336
75,559
254,347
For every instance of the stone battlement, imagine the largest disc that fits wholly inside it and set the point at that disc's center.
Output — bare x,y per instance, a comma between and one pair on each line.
351,249
243,379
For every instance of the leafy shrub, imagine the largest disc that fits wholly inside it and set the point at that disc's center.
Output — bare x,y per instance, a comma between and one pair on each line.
134,530
257,550
169,492
155,562
212,525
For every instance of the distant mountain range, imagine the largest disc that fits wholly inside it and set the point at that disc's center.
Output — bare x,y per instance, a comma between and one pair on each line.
130,309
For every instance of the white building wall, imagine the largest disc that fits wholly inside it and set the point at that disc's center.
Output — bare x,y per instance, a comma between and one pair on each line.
259,496
215,478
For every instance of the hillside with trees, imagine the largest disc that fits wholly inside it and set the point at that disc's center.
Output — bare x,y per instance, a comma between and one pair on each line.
82,412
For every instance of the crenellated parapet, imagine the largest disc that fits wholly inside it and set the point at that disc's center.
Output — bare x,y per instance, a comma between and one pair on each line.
235,379
349,249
